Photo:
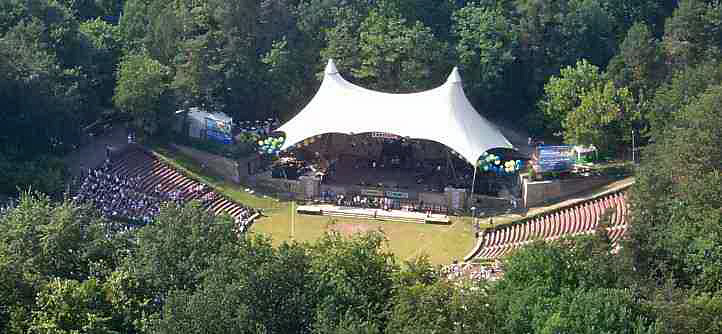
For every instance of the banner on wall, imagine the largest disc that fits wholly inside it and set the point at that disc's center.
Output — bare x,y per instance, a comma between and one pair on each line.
218,130
372,192
397,194
555,158
455,199
384,135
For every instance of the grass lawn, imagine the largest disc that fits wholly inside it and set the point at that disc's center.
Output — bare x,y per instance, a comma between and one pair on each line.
442,243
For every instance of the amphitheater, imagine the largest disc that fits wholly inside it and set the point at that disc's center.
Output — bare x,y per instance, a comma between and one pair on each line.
583,217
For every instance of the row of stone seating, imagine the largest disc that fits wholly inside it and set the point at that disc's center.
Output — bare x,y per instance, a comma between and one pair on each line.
581,218
155,175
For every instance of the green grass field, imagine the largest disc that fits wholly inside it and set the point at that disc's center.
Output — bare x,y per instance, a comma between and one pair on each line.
442,243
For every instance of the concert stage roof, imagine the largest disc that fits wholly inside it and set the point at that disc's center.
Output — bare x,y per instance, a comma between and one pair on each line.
442,114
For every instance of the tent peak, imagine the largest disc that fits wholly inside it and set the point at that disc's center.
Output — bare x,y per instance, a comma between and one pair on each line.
454,77
331,67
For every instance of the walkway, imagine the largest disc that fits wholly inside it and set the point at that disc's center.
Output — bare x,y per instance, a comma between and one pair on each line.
93,154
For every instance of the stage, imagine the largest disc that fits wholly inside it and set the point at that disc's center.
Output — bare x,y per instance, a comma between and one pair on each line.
375,214
358,171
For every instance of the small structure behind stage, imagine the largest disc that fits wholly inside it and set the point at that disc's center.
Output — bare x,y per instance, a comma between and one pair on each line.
204,125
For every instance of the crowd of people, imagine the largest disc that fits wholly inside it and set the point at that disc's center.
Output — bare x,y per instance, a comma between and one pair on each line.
121,197
382,203
6,206
474,272
259,127
124,197
243,221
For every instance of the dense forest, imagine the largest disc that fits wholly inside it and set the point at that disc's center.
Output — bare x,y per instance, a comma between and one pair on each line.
583,71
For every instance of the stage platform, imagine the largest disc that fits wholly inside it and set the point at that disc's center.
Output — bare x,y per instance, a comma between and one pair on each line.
353,170
374,214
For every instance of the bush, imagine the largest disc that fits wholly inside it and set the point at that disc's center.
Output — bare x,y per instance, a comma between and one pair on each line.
45,174
239,149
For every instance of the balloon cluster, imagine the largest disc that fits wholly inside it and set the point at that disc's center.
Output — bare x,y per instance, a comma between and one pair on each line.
270,145
494,163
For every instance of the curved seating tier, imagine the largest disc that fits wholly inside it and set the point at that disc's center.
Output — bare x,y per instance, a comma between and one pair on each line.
578,219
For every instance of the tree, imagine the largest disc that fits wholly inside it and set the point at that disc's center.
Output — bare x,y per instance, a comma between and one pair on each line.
133,24
396,57
486,47
563,94
44,239
554,34
106,42
675,221
418,270
603,118
42,80
639,65
352,277
174,251
628,13
694,33
441,307
69,306
41,240
593,311
94,9
255,287
544,284
342,41
686,311
678,91
143,92
286,78
437,15
217,308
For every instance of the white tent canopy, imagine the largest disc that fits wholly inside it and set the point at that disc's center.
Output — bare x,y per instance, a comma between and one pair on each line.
442,114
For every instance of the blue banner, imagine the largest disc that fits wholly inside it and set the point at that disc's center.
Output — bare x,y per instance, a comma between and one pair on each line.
556,158
218,130
220,137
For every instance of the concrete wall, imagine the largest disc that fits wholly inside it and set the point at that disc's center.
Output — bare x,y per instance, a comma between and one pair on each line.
483,201
434,198
282,187
540,192
222,166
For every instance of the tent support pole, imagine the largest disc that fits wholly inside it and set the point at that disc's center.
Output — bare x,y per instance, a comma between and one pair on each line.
473,182
450,164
